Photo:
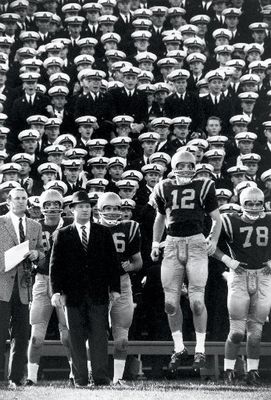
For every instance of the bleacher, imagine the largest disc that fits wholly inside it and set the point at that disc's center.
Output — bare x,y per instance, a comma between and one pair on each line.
214,353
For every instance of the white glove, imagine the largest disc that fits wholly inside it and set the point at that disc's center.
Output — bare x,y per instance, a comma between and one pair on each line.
230,262
58,300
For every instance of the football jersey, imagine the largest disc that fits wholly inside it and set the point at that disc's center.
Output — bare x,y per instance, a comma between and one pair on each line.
48,234
185,205
249,243
127,239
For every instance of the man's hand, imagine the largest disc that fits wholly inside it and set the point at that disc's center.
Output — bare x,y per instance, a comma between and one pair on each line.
32,255
127,266
155,253
58,300
114,296
211,246
50,110
231,263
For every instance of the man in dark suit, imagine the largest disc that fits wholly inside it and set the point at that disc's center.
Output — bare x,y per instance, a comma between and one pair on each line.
30,103
215,104
94,102
130,101
184,103
15,284
82,274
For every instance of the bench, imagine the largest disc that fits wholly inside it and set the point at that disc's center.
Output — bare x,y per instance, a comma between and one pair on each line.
54,348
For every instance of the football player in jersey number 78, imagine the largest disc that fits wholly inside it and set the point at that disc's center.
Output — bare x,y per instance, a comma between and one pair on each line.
248,236
127,239
181,206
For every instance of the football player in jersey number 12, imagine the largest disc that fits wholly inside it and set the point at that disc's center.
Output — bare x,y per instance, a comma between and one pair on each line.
248,236
181,206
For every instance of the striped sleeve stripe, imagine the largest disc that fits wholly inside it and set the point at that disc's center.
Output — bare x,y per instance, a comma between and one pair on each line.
133,230
205,189
227,226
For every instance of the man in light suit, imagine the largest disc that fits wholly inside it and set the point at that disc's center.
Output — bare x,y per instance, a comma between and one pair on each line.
15,287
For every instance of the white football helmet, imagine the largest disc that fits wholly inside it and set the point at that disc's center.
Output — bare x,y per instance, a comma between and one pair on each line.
183,176
252,202
113,200
51,195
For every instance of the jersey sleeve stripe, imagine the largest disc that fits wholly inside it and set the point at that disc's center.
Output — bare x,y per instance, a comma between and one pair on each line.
204,190
227,226
133,229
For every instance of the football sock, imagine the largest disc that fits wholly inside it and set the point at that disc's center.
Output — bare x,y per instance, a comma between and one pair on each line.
32,372
200,342
252,364
229,364
71,376
178,341
119,366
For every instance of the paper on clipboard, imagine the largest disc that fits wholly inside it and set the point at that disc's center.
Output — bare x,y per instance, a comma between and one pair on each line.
15,255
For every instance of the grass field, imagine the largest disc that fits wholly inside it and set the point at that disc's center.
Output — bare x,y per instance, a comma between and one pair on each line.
147,390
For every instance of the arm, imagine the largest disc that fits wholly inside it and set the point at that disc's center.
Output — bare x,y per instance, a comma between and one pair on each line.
134,264
228,261
158,230
215,231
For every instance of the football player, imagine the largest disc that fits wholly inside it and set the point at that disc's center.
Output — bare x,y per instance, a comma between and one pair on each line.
41,309
181,207
248,236
127,238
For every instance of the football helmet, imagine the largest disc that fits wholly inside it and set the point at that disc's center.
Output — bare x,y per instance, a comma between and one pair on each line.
252,202
109,199
51,196
183,176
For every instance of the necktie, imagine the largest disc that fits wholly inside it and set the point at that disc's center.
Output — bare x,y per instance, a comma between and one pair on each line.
129,93
21,231
216,101
84,238
126,19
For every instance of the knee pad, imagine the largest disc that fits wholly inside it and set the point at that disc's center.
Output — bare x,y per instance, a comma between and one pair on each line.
172,302
237,331
38,333
170,309
196,299
254,333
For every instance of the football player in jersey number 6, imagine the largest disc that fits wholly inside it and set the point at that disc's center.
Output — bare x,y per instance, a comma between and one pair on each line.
181,206
127,239
248,236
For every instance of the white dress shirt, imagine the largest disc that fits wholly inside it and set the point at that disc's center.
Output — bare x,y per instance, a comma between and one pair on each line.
15,221
79,229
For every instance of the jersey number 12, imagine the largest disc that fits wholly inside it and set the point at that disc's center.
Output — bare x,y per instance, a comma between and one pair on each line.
185,200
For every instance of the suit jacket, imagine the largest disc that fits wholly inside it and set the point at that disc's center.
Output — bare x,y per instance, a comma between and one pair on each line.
21,110
223,110
8,239
75,273
189,107
136,106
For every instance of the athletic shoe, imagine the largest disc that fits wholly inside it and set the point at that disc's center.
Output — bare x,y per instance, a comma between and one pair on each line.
253,378
177,359
229,377
121,384
199,361
29,382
